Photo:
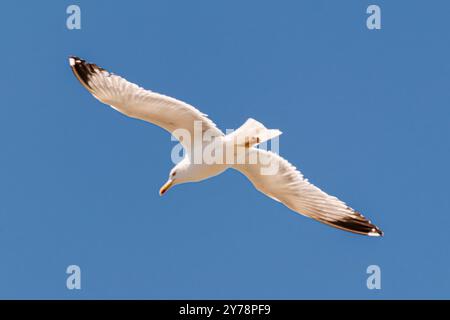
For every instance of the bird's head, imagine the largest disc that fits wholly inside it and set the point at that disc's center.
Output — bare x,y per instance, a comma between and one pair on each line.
179,174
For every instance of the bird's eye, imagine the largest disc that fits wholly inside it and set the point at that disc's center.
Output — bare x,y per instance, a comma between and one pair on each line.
173,174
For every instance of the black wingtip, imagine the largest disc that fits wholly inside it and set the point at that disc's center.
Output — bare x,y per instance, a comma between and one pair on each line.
373,230
79,70
83,70
357,223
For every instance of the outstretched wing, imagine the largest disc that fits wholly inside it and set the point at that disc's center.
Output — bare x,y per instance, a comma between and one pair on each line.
136,102
278,179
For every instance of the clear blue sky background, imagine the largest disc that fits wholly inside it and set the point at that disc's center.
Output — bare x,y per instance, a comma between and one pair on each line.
365,116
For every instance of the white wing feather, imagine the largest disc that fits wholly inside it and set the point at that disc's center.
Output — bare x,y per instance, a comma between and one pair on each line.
136,102
288,186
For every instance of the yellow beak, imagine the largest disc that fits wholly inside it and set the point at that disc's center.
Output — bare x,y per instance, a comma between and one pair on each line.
165,187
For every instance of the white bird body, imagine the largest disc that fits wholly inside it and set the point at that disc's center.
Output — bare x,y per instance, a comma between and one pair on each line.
268,172
186,171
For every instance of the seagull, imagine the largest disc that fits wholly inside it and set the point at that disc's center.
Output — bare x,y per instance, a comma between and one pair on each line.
285,184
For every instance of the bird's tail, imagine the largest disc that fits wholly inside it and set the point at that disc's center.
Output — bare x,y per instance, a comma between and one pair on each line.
252,133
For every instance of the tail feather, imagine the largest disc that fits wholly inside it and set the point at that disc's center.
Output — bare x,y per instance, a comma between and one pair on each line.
252,133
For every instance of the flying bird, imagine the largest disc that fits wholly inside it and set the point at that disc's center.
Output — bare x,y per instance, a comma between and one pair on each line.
286,184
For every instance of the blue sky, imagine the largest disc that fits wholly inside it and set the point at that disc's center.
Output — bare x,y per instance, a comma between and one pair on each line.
365,116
